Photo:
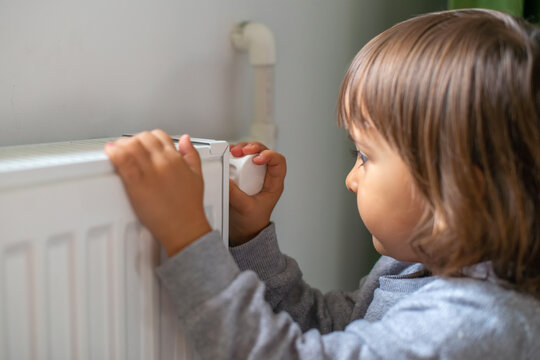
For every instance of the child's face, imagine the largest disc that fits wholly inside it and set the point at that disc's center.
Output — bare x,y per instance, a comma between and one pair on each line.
384,191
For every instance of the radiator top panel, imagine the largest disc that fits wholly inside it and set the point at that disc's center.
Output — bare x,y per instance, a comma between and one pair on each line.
69,159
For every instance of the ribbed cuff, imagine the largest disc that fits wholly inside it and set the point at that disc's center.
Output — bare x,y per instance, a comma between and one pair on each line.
198,272
261,254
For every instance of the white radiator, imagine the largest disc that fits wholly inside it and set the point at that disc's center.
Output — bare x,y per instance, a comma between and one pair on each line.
77,274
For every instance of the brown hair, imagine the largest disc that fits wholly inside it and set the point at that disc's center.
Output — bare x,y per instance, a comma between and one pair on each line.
456,94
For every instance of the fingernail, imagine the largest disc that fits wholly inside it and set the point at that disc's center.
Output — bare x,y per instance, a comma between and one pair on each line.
111,144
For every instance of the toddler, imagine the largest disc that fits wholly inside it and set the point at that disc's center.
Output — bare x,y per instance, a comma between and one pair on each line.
443,110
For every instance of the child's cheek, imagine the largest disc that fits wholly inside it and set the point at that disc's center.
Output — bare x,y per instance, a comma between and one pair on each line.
371,210
385,209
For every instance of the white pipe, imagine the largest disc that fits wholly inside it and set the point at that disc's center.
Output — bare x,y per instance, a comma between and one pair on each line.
264,94
258,41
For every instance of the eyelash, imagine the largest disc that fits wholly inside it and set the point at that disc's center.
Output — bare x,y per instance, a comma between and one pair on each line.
361,155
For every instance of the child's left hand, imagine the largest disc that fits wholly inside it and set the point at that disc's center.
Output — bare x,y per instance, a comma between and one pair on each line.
248,215
165,186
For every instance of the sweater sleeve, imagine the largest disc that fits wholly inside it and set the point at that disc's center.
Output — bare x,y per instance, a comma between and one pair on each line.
285,288
227,317
226,314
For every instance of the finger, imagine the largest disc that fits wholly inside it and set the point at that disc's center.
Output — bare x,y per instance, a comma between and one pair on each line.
122,140
190,154
165,139
151,143
170,152
133,147
275,171
236,149
254,148
129,158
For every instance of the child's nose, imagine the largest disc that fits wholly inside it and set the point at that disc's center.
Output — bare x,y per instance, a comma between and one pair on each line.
350,182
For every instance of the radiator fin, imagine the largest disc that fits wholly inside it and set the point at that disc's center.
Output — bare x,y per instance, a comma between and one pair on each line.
61,297
100,296
17,293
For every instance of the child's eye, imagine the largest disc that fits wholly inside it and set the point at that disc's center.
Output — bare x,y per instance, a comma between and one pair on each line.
359,154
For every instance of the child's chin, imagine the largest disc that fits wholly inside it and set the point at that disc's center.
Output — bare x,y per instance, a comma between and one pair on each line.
378,246
400,254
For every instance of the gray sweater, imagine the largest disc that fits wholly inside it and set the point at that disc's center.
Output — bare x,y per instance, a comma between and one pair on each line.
255,305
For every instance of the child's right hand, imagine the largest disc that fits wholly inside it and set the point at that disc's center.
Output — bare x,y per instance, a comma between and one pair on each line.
248,215
164,185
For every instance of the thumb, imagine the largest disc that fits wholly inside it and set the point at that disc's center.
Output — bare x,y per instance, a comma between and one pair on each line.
238,199
190,154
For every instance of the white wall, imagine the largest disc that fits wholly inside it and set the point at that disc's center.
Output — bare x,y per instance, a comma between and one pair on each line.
74,69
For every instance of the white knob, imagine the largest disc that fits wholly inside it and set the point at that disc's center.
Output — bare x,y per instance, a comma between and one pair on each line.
248,176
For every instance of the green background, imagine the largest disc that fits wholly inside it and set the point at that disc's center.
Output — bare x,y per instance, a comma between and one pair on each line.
527,9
